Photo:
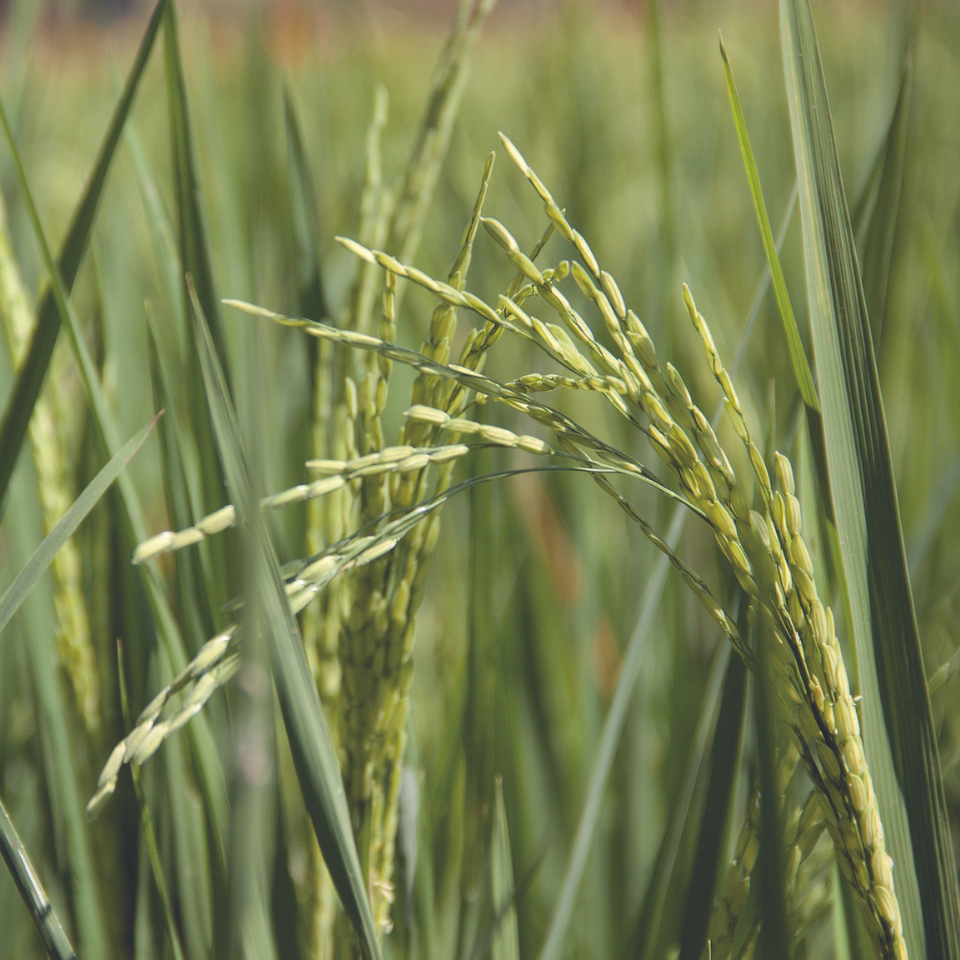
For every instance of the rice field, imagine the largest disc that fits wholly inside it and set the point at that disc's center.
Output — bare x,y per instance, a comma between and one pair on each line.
481,491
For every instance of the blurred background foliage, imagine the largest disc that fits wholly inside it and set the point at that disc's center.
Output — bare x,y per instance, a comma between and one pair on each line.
623,112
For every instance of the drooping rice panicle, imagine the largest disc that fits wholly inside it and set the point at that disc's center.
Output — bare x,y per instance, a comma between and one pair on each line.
218,658
334,475
213,666
765,549
772,563
825,719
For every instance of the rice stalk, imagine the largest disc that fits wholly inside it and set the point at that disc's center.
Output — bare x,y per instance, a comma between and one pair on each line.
335,433
378,637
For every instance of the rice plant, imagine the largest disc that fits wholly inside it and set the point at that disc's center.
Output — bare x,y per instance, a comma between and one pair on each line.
499,606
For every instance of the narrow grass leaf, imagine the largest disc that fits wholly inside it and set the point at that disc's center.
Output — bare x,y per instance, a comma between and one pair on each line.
311,299
506,943
254,768
876,213
898,730
801,368
45,917
56,730
183,822
313,752
197,263
181,495
208,762
798,358
47,550
657,925
715,822
146,821
34,369
162,232
182,463
194,233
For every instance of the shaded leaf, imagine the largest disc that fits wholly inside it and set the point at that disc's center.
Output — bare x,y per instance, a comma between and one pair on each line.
715,822
21,868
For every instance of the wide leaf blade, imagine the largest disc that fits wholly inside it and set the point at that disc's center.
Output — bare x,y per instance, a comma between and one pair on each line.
898,729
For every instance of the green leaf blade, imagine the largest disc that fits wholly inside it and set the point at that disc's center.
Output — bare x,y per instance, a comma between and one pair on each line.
21,868
44,554
898,729
798,358
311,744
194,233
34,368
506,942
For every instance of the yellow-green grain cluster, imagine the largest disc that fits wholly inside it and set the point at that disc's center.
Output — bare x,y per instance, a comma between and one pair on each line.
374,522
378,635
215,663
362,634
46,432
764,546
733,930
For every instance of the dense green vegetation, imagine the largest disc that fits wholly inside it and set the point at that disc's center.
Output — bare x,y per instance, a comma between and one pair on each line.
572,749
